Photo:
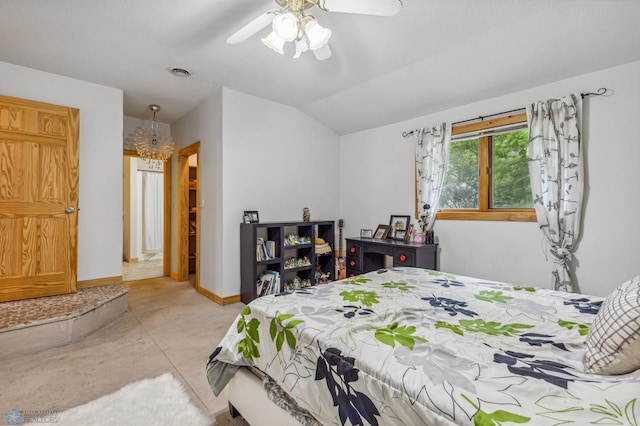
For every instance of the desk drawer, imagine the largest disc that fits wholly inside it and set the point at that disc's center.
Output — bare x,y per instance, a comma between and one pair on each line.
404,258
353,249
354,263
352,273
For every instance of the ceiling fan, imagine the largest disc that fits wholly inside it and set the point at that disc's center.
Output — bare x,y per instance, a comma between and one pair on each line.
292,23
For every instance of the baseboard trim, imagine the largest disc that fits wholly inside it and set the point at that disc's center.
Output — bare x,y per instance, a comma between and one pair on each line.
174,275
219,300
231,300
100,281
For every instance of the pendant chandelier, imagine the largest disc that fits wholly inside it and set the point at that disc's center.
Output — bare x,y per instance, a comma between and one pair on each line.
152,147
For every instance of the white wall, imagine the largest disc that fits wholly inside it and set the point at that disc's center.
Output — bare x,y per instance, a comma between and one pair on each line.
276,160
255,155
100,196
204,124
376,174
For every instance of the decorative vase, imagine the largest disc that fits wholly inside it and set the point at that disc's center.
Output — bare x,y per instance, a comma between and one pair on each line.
419,238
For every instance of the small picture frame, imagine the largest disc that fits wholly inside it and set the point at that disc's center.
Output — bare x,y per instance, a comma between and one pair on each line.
251,216
366,233
398,226
400,235
381,232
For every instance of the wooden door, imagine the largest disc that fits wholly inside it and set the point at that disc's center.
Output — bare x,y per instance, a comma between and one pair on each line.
38,199
186,214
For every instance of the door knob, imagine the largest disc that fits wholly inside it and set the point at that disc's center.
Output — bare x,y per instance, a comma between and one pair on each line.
69,210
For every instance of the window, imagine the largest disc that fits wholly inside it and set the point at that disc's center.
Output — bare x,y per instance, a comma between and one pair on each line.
488,173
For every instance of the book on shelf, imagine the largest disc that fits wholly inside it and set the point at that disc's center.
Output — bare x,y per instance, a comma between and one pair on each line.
268,283
275,282
265,250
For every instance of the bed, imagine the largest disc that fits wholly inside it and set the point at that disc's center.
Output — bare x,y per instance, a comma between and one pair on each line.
420,347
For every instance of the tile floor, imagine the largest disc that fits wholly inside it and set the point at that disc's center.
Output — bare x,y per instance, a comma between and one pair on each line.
169,327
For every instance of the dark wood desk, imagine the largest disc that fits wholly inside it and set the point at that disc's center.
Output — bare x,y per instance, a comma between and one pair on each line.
368,254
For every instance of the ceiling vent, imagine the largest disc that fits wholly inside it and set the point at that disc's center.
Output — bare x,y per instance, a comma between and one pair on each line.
180,72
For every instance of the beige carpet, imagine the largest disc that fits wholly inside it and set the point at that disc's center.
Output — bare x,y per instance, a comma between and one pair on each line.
169,327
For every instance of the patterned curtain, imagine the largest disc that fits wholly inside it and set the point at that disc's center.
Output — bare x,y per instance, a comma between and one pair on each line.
432,157
557,180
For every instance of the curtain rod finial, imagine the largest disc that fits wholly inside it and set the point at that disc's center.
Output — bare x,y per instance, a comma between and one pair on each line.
601,91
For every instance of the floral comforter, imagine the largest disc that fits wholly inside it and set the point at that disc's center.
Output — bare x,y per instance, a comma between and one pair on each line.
412,346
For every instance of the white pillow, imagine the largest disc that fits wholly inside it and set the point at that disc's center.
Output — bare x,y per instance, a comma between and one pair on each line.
613,344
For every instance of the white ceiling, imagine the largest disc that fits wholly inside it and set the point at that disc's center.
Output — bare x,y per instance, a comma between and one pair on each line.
435,54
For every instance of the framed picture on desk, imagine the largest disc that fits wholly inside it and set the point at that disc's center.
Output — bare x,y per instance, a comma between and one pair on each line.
400,235
398,226
381,232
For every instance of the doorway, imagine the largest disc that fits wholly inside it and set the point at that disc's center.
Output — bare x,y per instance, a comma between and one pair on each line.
189,213
146,224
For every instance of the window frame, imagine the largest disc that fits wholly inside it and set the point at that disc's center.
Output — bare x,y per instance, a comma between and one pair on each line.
483,212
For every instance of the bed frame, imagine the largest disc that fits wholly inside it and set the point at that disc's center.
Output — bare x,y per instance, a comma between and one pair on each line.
248,398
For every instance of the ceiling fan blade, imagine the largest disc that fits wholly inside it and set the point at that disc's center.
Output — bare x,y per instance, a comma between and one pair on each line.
364,7
251,28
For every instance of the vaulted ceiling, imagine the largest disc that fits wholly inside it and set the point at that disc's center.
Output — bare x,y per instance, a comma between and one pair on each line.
433,55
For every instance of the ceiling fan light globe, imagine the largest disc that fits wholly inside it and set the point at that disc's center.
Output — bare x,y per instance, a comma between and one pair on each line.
285,26
302,46
318,36
273,42
322,53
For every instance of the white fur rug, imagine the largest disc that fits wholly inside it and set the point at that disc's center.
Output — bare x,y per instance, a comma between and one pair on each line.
160,401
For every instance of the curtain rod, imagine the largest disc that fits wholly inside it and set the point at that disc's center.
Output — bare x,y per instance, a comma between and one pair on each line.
601,91
482,117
